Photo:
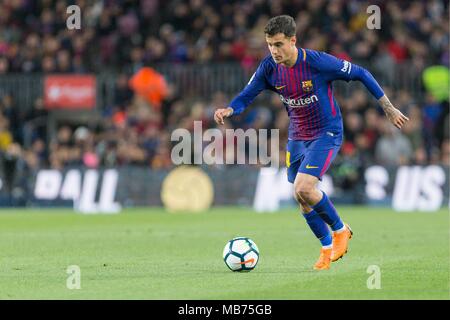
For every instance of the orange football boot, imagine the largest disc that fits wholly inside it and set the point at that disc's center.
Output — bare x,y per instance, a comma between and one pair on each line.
340,243
324,261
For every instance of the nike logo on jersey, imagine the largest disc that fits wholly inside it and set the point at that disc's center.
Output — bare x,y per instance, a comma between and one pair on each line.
311,167
279,87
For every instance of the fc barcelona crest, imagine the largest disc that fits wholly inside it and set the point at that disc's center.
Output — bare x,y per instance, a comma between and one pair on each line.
307,85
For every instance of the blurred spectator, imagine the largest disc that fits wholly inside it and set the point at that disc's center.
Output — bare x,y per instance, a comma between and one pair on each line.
5,136
393,148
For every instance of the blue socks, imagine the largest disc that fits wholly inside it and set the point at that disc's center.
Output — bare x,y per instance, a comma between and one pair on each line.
328,213
318,227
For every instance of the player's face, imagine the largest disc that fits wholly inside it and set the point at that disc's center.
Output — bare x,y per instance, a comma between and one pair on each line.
281,47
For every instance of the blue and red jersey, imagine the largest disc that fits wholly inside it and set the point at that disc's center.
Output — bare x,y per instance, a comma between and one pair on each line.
306,91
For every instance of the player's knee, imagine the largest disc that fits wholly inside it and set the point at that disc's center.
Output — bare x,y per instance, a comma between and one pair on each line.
304,191
299,199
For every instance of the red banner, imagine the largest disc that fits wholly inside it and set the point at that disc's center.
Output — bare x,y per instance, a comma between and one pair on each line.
69,92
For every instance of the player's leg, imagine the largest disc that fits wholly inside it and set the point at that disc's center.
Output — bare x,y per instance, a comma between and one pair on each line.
316,223
319,228
306,188
315,164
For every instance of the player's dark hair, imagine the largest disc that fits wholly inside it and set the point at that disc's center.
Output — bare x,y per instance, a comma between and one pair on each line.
281,24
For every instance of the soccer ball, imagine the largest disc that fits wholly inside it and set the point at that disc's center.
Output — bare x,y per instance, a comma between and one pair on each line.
241,254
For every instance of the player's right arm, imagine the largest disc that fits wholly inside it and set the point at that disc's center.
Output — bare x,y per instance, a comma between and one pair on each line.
256,84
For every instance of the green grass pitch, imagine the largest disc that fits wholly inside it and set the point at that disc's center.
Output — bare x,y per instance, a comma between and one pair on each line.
152,254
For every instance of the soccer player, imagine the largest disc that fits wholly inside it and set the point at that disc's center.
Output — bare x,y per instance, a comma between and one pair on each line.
303,79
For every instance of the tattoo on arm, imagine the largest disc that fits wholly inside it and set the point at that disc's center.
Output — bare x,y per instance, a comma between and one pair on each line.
387,106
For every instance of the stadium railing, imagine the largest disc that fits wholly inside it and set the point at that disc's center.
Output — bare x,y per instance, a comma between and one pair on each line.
199,80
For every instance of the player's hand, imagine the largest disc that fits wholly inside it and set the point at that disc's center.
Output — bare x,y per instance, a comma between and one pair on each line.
396,117
221,114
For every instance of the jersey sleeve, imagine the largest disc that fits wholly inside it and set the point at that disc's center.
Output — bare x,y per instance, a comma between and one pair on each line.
333,68
256,84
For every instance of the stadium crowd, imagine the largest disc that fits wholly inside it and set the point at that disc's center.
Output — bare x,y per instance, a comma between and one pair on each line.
126,34
123,36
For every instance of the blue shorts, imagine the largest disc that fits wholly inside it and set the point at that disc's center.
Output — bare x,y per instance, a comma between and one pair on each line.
312,157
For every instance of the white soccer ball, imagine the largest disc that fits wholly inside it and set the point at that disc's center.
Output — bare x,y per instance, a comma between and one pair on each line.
241,254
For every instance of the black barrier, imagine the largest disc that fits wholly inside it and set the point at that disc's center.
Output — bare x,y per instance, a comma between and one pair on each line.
406,188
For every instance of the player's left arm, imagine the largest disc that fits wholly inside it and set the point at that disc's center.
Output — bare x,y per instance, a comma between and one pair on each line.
338,69
395,116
